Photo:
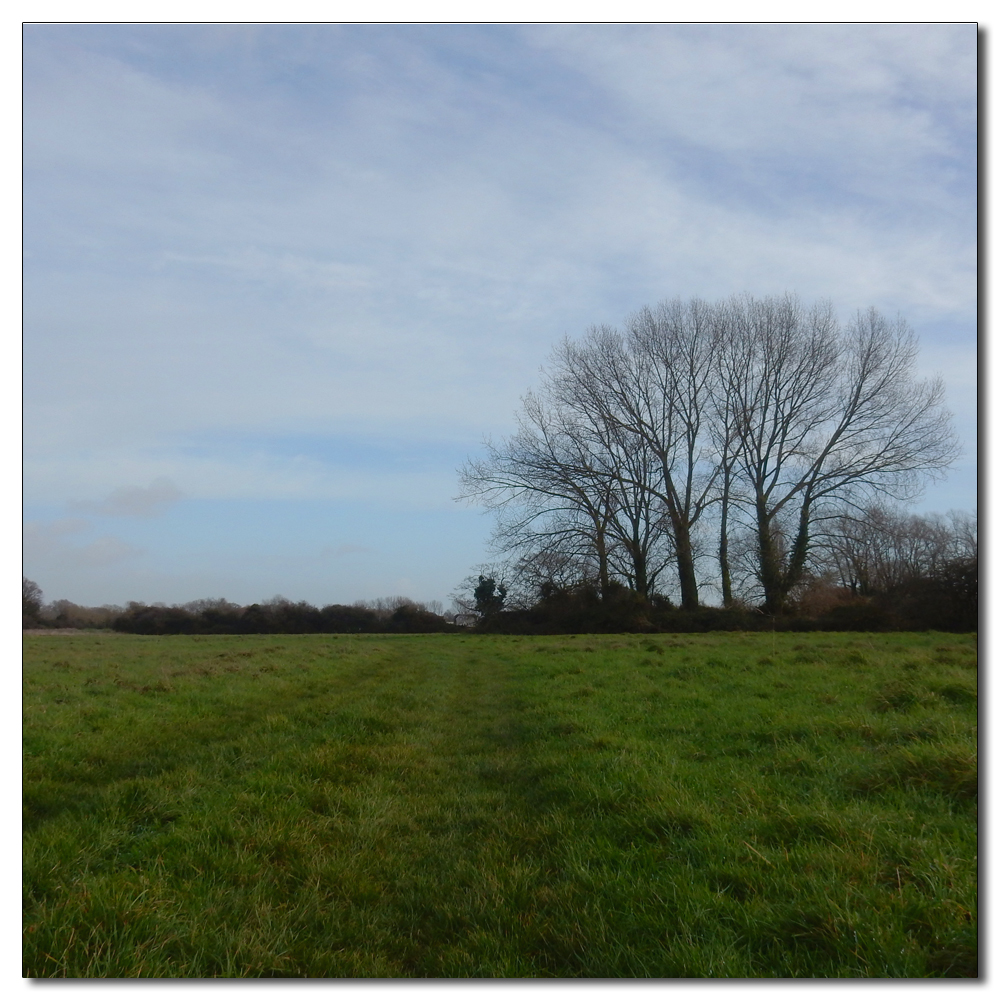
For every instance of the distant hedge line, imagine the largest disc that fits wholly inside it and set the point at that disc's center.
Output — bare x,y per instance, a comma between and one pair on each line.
267,619
920,609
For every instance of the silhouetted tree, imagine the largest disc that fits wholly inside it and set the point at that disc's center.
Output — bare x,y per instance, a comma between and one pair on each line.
824,417
31,602
490,596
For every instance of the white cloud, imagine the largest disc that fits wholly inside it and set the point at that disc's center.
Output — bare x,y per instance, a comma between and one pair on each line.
869,97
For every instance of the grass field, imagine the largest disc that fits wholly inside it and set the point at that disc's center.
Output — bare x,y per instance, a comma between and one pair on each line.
721,805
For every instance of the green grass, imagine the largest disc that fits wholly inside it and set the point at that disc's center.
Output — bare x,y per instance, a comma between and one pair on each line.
722,805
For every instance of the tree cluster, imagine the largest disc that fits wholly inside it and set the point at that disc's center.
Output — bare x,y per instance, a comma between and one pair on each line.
913,571
708,447
61,613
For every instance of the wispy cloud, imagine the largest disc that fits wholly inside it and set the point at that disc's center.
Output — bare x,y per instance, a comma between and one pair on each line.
135,501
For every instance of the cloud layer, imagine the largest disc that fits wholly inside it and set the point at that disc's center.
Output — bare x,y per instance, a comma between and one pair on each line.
242,240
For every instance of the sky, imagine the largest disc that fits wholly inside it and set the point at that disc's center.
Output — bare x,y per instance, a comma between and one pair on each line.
281,280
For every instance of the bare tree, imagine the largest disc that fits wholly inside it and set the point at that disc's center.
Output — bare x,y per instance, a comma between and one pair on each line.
31,602
382,607
879,549
824,418
540,571
964,534
564,486
652,384
759,415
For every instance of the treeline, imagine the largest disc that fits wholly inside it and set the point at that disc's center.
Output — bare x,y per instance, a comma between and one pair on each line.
878,571
712,450
221,617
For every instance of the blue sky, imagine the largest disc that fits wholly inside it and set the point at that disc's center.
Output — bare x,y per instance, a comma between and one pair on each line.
281,280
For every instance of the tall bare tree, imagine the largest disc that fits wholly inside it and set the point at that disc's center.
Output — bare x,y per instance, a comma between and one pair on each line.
824,417
564,490
652,383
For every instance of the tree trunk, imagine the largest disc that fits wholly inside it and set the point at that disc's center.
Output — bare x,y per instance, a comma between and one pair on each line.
724,572
685,568
640,570
800,549
602,561
771,577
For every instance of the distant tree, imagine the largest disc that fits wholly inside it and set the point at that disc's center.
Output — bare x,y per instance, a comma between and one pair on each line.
879,549
923,570
66,614
415,617
31,602
155,619
215,616
490,596
213,604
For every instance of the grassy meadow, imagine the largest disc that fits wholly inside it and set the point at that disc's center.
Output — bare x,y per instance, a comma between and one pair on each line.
718,805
